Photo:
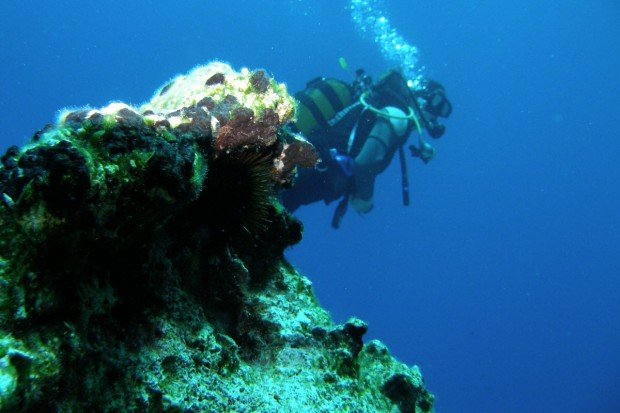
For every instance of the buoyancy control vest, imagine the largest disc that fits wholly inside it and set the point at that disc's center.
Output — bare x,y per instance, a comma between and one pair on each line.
329,111
332,116
321,101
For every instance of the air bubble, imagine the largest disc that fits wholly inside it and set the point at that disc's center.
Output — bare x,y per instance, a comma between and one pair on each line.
370,20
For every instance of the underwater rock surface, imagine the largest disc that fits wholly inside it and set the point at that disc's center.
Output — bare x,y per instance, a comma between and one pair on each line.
142,268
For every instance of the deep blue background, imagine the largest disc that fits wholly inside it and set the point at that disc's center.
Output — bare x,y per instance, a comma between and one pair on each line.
502,279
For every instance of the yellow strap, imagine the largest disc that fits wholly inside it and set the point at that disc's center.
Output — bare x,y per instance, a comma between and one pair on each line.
411,115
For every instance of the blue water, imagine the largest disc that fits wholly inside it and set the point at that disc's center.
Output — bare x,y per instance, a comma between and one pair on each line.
502,279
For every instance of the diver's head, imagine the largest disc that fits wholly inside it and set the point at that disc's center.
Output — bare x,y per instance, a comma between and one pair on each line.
436,102
433,104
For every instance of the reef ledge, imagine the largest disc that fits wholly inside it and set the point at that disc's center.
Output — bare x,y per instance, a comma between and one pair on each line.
142,267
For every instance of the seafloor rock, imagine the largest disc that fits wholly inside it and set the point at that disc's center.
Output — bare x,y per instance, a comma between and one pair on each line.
142,269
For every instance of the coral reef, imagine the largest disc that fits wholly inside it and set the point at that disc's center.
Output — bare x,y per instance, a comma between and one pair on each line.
142,268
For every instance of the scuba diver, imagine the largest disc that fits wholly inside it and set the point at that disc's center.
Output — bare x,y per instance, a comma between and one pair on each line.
357,129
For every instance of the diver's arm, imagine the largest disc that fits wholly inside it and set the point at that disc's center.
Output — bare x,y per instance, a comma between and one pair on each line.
385,136
366,169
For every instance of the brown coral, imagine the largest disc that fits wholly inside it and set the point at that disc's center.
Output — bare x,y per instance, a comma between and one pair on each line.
297,152
245,131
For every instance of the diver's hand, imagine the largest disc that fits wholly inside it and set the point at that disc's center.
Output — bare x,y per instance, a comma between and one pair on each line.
362,206
425,152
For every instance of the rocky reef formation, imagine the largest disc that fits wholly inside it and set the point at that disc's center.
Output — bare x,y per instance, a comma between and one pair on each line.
142,269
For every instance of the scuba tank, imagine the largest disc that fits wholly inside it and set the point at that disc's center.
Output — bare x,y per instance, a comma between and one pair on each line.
320,102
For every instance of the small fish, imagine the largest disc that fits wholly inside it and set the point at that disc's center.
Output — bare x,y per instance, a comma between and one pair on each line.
343,63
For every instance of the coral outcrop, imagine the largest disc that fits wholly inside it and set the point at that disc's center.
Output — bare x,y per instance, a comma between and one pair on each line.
142,269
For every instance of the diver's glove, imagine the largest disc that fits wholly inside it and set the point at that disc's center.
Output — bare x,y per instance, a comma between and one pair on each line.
425,152
346,164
